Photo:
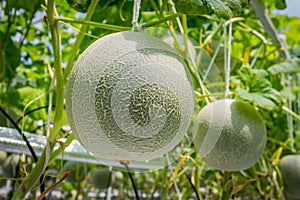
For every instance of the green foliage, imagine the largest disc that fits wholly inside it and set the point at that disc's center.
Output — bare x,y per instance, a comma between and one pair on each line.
286,67
277,4
290,27
10,60
224,9
280,4
257,89
193,7
27,66
79,5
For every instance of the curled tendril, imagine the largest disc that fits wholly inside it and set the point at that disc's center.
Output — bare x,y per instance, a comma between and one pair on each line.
121,11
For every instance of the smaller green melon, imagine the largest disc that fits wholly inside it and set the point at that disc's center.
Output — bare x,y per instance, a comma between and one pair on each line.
3,157
290,169
100,178
78,173
10,165
230,135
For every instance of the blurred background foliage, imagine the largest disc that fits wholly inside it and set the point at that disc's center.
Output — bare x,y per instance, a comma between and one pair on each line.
269,81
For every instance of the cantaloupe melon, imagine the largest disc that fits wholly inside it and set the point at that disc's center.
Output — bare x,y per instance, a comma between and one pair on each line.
230,135
129,97
290,169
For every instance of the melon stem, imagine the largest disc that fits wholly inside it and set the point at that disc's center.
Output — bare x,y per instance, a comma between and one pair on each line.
227,185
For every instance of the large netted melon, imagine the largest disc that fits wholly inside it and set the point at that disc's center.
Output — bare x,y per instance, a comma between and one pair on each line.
290,169
230,135
129,97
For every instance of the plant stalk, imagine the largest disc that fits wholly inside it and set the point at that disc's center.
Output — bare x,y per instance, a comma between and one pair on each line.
94,24
162,20
32,179
80,36
227,186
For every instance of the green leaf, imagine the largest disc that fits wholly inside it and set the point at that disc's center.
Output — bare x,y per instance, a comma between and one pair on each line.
280,4
295,50
256,88
9,59
12,98
79,5
289,66
193,7
269,99
222,8
254,79
12,54
229,8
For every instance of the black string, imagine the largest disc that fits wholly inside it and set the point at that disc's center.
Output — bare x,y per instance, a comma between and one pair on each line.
190,182
132,182
35,158
193,186
31,111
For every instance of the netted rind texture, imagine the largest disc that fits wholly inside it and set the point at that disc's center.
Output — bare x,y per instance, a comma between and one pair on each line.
240,130
129,98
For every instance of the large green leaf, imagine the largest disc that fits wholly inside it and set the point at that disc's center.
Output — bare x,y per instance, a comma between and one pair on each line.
289,66
269,98
256,88
254,79
193,7
21,4
280,4
222,8
229,8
